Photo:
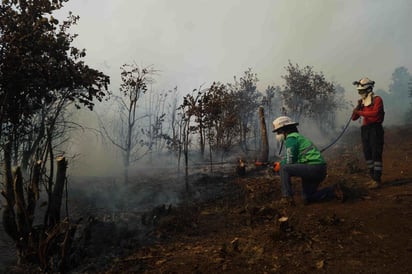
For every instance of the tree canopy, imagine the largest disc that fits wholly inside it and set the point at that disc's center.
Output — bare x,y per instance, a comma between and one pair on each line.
38,65
41,74
307,94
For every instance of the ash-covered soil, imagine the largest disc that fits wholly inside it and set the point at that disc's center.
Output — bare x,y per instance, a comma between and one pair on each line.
241,233
224,223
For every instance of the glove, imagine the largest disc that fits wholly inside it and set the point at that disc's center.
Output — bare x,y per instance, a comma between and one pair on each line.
359,106
276,166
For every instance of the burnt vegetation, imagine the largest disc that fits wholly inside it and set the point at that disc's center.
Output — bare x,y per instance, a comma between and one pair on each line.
41,77
213,136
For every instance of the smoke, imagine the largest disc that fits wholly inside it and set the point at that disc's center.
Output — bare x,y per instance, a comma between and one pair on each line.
346,40
396,109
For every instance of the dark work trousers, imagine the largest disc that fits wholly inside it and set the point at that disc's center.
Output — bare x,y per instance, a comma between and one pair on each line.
372,141
311,175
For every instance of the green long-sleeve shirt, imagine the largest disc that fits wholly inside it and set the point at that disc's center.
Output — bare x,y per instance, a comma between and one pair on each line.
300,150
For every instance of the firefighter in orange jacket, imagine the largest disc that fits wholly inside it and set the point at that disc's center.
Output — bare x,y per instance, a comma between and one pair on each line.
370,108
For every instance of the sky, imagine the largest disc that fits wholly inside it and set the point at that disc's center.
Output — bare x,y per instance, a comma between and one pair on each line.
195,42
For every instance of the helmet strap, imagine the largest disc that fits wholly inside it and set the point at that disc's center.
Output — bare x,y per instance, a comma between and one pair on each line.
280,136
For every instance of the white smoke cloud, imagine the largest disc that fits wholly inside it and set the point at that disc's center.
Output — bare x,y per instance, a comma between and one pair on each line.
194,43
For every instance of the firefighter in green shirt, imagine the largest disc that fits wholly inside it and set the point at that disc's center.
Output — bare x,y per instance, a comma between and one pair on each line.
302,160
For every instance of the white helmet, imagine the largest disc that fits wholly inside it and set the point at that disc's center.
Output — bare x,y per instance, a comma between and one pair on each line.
281,122
364,84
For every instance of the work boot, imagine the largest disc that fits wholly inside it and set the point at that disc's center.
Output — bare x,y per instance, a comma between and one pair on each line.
374,184
287,201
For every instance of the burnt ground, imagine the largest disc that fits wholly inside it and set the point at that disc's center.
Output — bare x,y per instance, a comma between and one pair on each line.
236,227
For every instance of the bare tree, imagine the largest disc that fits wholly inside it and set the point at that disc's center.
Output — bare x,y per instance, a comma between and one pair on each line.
264,151
155,109
174,136
126,133
188,108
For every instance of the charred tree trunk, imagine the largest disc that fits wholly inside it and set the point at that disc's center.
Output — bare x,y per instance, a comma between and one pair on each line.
126,169
49,246
9,216
201,138
8,193
186,150
33,192
18,217
186,155
22,219
21,212
56,200
264,151
243,134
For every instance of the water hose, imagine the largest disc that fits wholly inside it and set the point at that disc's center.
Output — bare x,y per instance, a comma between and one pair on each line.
340,135
322,150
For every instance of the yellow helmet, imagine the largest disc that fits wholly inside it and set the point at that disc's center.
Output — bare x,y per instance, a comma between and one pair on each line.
364,84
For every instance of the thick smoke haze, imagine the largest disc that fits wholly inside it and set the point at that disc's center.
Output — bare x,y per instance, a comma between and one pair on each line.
193,43
197,42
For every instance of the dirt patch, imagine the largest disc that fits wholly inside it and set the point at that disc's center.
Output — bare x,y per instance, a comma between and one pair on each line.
235,224
370,233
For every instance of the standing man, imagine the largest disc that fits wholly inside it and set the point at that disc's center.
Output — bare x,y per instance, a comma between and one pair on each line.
370,107
302,160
